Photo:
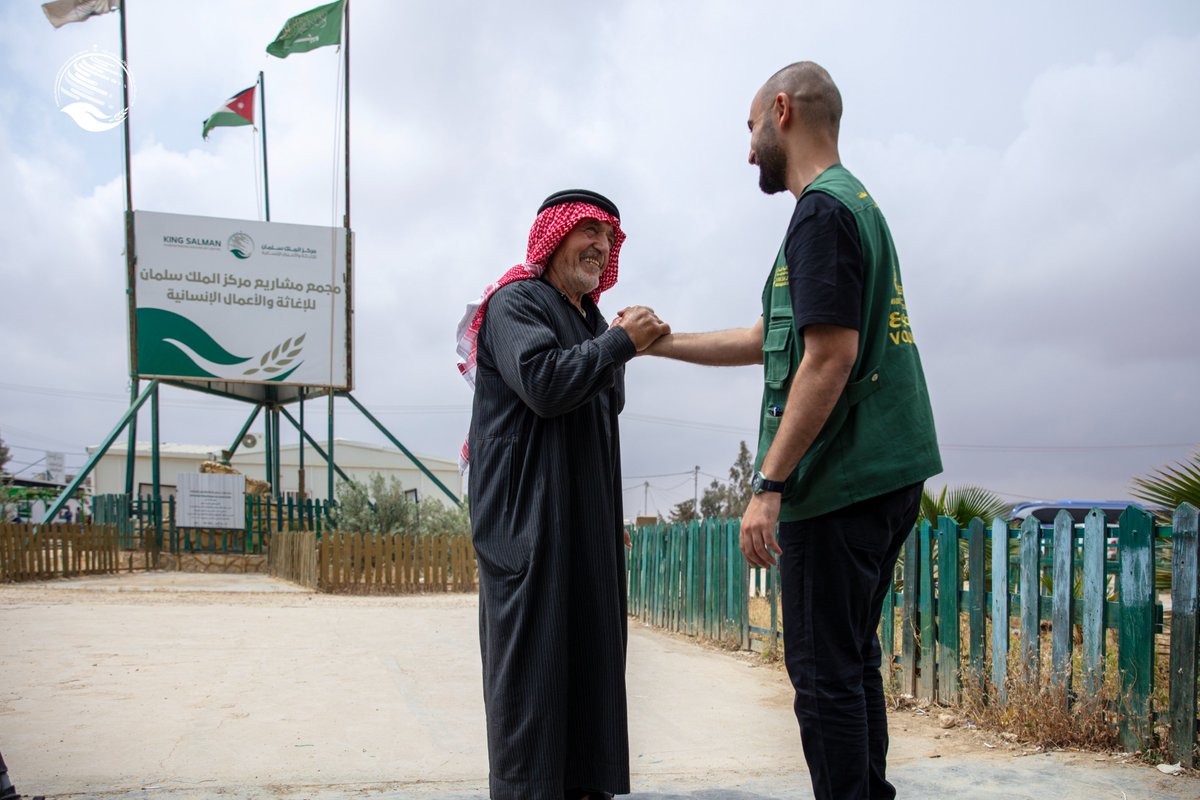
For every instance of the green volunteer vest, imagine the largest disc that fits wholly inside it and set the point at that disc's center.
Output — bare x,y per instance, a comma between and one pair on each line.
880,434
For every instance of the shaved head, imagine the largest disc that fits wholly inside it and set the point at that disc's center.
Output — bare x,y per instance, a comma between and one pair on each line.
815,96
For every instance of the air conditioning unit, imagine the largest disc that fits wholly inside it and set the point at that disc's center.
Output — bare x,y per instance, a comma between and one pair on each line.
249,440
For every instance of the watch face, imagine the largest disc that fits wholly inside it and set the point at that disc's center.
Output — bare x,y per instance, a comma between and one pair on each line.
756,484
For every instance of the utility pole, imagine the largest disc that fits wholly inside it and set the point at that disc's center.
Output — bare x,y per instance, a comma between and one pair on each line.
696,488
645,494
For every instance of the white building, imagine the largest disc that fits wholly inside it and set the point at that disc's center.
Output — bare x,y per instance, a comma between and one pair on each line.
357,459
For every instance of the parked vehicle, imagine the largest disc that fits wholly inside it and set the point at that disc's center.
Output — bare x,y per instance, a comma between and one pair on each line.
1046,511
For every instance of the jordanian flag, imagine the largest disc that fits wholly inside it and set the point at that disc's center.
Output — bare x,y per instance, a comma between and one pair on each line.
238,110
319,27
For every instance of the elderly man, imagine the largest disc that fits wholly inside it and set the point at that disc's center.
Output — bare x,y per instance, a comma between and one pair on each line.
546,518
846,430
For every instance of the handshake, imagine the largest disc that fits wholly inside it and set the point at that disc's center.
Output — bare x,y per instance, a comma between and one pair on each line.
642,325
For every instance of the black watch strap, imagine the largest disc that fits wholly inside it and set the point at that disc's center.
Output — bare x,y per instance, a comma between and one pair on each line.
762,483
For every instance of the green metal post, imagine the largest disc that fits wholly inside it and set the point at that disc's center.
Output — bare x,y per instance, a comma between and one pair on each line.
131,452
74,485
269,451
155,480
394,441
276,439
320,452
242,433
300,451
329,458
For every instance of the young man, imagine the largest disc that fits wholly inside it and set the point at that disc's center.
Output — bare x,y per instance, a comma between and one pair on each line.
846,430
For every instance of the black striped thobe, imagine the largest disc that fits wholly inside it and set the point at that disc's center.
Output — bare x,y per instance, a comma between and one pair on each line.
546,519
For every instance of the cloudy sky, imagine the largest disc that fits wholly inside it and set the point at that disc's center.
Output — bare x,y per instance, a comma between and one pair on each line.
1039,165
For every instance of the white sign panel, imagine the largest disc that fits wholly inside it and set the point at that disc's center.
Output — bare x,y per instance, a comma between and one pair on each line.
236,300
56,466
210,501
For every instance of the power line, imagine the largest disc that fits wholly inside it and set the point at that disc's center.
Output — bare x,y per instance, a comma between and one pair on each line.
683,423
661,475
52,391
1061,448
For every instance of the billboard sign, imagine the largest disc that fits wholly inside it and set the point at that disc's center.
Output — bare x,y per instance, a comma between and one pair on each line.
239,301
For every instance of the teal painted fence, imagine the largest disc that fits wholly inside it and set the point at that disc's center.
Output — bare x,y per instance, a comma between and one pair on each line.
692,579
1067,594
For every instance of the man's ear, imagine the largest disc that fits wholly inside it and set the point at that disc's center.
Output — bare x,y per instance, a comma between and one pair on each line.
782,109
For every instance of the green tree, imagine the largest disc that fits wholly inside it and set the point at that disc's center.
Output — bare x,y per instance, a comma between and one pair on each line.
1171,485
375,506
434,517
8,506
729,499
712,502
740,475
384,506
683,511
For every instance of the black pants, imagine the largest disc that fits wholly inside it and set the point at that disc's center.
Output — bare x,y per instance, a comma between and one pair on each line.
834,572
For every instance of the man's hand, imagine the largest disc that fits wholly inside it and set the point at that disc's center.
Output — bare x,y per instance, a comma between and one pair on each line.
757,537
642,325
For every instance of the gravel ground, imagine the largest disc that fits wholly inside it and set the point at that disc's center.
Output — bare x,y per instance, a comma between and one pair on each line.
177,685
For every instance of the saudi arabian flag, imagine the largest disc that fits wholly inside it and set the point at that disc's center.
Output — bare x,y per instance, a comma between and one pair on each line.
319,27
238,110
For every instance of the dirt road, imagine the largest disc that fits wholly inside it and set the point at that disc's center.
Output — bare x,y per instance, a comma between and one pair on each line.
169,685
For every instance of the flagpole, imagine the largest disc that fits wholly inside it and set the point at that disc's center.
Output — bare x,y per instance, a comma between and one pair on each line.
131,452
262,99
349,245
346,92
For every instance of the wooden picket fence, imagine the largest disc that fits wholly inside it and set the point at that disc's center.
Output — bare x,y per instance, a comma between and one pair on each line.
1080,581
364,563
57,551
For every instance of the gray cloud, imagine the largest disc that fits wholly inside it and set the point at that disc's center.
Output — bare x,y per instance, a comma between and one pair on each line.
1040,196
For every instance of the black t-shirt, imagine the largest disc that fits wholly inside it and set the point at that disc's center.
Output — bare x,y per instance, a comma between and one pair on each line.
825,263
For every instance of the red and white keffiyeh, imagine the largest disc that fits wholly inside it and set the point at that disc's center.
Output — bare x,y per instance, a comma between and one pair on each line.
547,233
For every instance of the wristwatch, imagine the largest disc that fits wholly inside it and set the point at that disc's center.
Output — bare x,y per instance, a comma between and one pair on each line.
760,483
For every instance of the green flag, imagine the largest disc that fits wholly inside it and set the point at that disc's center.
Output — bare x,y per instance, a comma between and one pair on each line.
237,110
319,27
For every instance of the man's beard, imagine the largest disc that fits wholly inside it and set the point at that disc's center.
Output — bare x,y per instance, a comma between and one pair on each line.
772,163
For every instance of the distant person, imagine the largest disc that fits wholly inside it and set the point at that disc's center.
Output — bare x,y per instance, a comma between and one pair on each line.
846,430
545,486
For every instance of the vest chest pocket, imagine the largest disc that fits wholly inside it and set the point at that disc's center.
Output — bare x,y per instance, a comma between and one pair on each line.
777,352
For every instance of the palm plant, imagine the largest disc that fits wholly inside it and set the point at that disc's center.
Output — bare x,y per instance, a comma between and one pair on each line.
1164,490
962,504
1170,486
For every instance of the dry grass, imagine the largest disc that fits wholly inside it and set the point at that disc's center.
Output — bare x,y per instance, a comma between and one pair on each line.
1045,715
1039,714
